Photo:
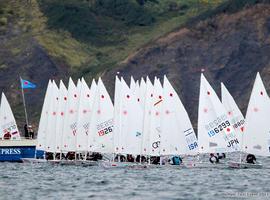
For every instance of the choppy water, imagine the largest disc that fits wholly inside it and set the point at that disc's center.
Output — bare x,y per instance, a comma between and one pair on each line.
46,181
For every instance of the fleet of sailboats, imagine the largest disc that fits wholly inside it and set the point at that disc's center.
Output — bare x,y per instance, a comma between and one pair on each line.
215,130
146,119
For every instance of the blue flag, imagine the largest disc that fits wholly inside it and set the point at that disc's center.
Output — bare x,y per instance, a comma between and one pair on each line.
27,84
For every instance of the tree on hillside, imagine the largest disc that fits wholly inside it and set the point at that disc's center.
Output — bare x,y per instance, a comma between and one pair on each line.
142,2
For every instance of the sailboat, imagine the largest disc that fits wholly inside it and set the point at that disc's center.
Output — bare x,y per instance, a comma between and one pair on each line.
155,118
52,119
84,117
257,126
147,117
62,98
70,118
177,134
128,123
14,148
215,131
234,113
132,121
101,127
8,126
117,136
42,129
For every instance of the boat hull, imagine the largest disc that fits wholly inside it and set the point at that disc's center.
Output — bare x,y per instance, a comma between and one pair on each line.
241,165
16,150
76,162
110,164
202,165
33,160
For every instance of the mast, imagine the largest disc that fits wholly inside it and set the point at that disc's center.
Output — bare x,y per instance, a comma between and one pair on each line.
24,105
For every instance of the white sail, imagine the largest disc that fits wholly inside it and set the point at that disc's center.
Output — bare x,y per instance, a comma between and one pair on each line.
137,93
8,124
142,93
215,132
70,119
236,117
177,134
42,128
84,117
117,133
101,127
131,121
60,116
147,117
132,85
52,117
155,119
257,126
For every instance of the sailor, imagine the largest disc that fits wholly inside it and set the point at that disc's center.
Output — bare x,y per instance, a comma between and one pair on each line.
155,160
31,132
71,156
26,133
222,156
144,159
176,160
130,158
96,156
140,158
122,158
213,159
251,159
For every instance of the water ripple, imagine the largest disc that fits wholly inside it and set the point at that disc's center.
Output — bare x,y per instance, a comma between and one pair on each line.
46,181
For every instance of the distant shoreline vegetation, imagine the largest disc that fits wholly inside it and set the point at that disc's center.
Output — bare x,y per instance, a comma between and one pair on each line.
106,32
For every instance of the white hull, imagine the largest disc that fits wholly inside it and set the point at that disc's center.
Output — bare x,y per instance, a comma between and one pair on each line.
241,165
89,163
33,160
54,161
77,162
109,164
18,143
202,165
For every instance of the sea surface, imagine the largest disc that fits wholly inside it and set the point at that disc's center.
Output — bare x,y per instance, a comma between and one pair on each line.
47,181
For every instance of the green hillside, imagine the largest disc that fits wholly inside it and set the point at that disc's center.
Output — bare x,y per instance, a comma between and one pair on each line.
42,39
92,36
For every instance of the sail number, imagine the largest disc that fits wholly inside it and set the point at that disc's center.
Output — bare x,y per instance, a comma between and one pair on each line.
193,146
219,128
105,131
7,128
238,124
105,128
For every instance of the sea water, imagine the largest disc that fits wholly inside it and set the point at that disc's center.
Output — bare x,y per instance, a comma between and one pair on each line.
48,181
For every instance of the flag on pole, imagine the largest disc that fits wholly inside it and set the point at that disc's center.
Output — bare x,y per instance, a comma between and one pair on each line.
27,84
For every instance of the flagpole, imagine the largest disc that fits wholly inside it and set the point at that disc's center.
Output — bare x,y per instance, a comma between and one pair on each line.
25,112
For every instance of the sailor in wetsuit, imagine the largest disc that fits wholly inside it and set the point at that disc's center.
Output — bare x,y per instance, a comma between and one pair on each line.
176,160
222,156
251,159
213,159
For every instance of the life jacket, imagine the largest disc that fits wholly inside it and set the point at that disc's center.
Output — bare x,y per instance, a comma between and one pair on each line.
176,160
